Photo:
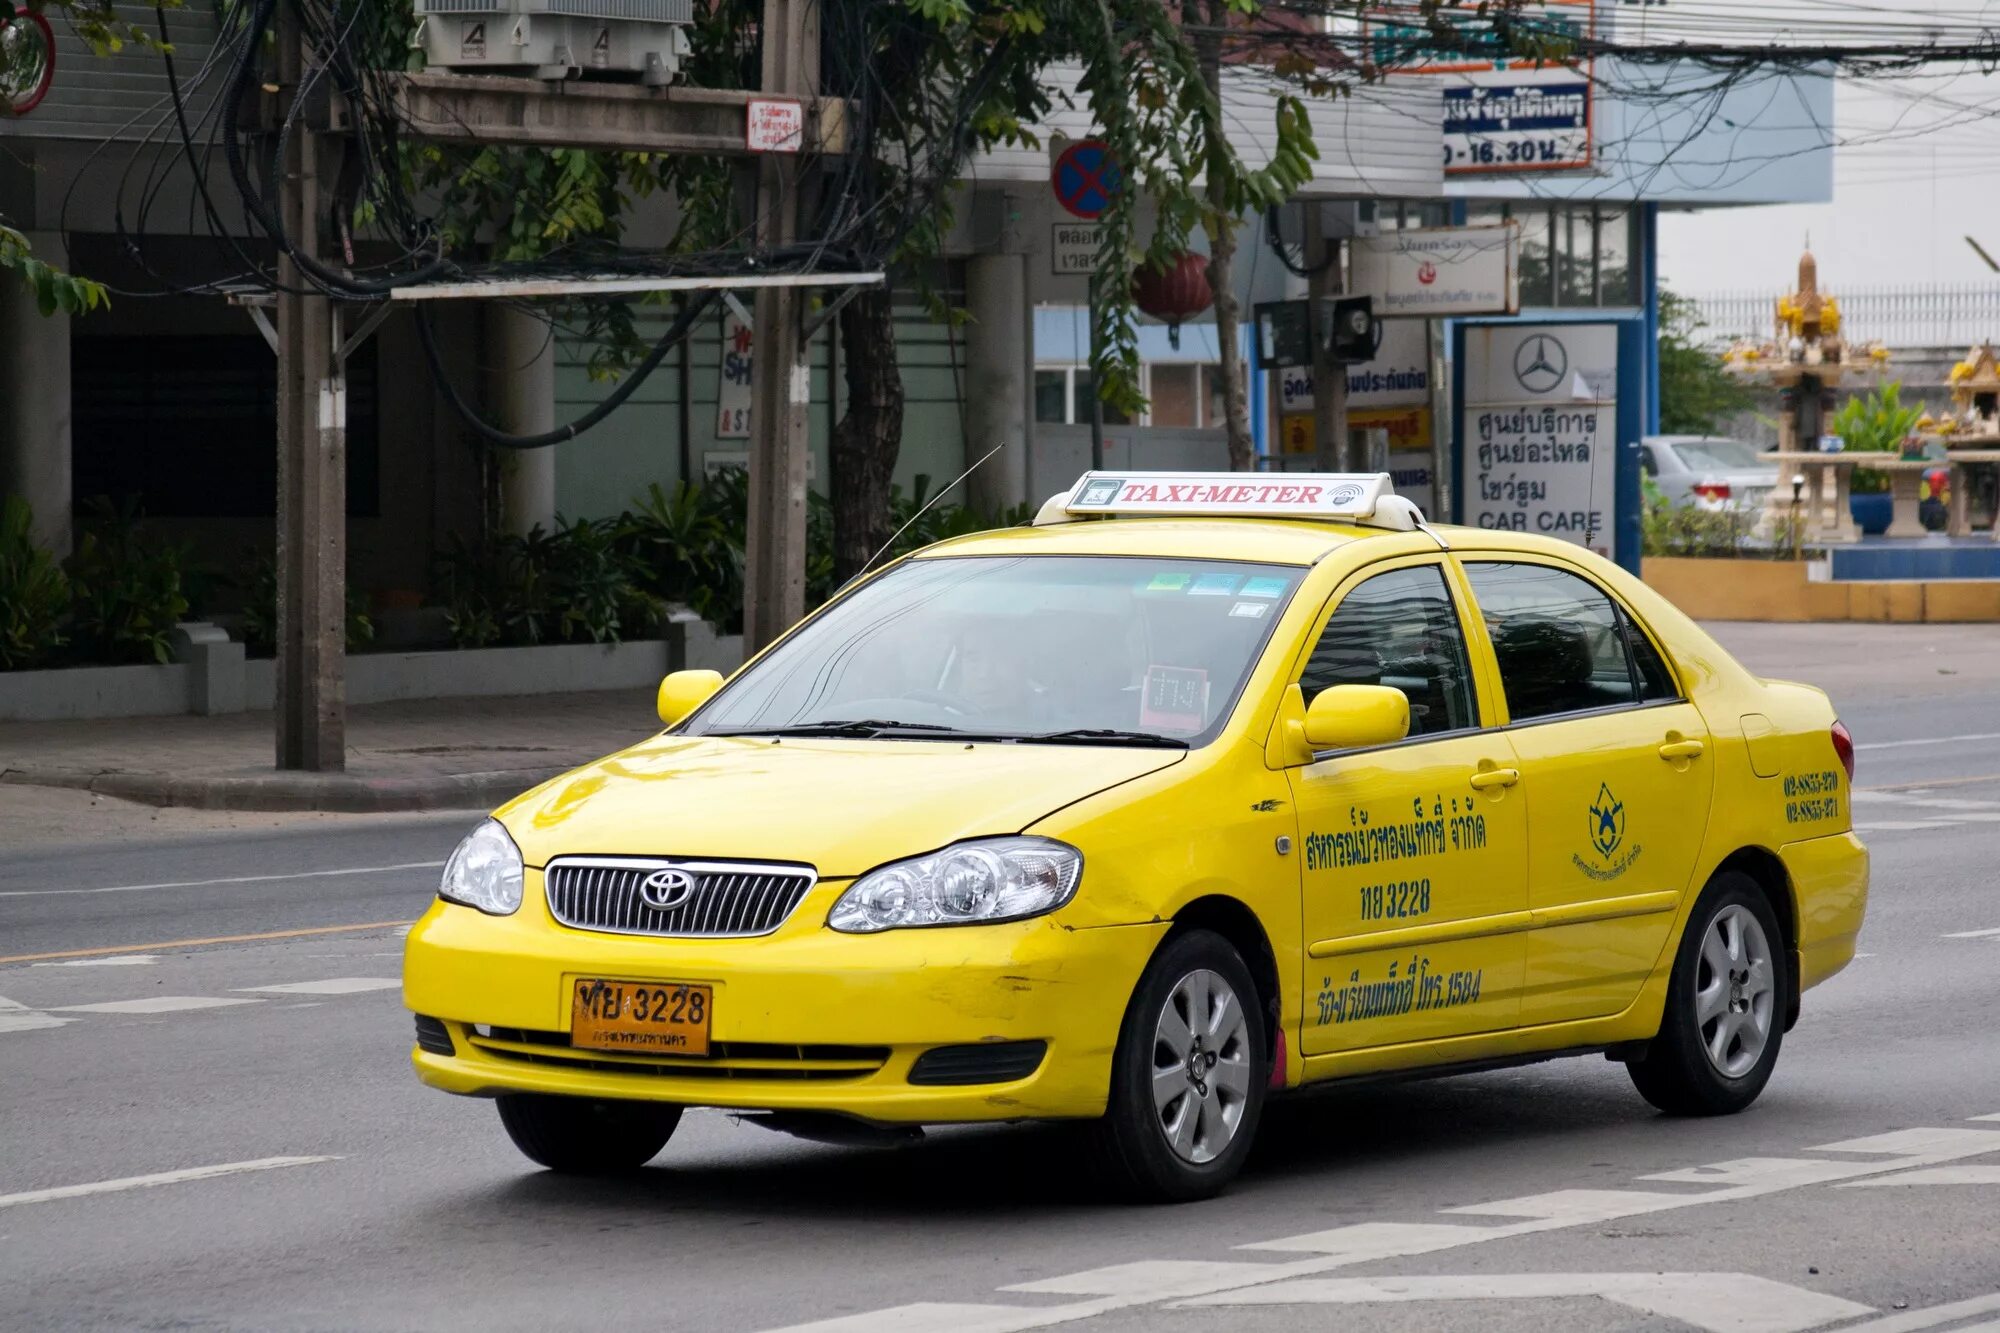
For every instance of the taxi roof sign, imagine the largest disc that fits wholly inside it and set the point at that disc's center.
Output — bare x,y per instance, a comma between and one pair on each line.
1348,495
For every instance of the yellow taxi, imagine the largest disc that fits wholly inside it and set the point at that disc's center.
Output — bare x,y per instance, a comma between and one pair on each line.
1200,789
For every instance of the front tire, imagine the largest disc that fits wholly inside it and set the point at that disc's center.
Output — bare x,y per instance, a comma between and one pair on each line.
579,1136
1725,1011
1189,1076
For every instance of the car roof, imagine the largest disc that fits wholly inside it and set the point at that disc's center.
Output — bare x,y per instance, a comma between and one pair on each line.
1698,439
1274,541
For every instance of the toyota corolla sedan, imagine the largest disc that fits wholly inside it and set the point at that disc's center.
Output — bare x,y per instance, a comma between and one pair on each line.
1197,791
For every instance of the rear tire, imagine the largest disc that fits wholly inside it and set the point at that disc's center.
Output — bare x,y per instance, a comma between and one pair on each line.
1189,1076
579,1136
1725,1013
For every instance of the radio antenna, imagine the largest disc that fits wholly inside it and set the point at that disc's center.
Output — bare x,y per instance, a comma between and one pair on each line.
942,492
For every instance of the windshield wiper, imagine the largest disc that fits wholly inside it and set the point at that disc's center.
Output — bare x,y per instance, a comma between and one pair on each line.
1106,735
842,727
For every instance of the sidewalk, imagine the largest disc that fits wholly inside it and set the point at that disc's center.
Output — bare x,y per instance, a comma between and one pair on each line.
431,754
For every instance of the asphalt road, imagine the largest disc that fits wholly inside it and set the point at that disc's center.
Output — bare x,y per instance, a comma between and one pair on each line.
1862,1191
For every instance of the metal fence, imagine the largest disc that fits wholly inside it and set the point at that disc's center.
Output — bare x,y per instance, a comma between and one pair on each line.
1916,316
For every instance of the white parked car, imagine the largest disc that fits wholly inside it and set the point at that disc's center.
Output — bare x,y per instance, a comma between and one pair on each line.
1708,470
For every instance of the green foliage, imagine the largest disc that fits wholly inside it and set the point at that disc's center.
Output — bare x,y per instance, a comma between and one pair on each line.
1697,394
126,587
54,290
101,26
33,592
1691,530
260,610
1876,424
602,580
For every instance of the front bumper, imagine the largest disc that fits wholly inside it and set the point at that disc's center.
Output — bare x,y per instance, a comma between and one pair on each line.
804,1019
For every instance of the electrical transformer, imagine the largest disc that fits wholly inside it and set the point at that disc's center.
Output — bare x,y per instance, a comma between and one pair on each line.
555,39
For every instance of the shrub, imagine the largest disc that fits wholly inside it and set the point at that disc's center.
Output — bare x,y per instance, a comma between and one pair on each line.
125,587
260,610
1875,424
33,592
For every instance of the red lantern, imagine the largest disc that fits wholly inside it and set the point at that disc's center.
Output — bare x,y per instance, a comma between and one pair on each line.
1175,293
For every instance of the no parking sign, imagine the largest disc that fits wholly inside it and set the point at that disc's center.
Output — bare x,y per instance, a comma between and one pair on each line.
1085,177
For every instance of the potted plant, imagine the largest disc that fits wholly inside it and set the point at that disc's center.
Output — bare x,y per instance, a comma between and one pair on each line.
1876,424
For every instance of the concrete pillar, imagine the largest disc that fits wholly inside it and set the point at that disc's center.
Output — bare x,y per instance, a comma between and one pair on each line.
520,365
35,402
996,379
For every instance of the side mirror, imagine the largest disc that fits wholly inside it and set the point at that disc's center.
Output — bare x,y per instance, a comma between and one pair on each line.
1353,717
684,691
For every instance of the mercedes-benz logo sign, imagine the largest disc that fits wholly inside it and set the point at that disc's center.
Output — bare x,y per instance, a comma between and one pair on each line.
1540,363
665,890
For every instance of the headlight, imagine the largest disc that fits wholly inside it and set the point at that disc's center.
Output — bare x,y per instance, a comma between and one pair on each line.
967,883
484,871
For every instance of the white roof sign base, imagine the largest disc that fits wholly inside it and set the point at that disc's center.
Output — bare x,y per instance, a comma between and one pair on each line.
1345,495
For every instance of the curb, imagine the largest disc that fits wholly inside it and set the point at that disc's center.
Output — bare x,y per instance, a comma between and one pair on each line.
339,793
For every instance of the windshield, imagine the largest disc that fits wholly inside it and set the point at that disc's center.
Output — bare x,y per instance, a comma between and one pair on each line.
1020,647
1720,456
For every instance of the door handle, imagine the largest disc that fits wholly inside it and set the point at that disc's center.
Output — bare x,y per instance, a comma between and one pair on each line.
1494,777
1681,750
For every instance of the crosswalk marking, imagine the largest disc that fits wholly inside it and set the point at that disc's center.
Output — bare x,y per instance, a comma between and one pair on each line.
1720,1302
1126,1286
331,986
1968,1173
1974,934
152,1004
1921,808
116,960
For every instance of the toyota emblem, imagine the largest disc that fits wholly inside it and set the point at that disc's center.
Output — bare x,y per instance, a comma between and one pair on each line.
664,890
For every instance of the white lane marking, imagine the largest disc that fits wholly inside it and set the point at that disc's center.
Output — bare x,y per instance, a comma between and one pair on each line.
930,1317
228,879
1971,1173
1900,825
1931,740
15,1020
1994,1116
1377,1240
1915,1320
152,1004
1153,1279
331,986
1972,934
1778,1172
1571,1208
1952,1142
159,1178
117,960
1917,798
1719,1302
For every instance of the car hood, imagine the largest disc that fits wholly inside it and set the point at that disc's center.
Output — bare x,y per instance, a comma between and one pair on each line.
843,806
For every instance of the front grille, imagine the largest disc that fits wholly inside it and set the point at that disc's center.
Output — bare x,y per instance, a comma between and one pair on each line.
434,1036
728,898
725,1060
986,1062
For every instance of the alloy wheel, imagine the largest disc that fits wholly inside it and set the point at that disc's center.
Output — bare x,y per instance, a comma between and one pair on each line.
1201,1066
1735,993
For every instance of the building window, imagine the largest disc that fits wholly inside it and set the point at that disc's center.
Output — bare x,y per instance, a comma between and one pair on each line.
1175,396
1052,396
190,425
1573,256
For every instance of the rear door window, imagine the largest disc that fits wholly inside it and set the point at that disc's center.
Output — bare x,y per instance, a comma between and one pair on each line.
1562,644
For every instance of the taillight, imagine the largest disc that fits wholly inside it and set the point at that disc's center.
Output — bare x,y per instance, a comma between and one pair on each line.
1712,490
1843,745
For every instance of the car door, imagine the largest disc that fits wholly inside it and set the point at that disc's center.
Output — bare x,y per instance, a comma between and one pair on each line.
1616,774
1414,855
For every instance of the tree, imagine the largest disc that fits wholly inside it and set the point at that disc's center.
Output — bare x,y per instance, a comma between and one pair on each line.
1220,224
1697,394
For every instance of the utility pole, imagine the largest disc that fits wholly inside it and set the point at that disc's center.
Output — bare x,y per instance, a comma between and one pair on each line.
780,376
1329,377
312,458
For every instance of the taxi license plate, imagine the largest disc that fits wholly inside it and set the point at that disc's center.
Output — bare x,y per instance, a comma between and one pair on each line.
643,1017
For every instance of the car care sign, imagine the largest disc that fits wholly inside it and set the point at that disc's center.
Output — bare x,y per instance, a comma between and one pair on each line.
1536,436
